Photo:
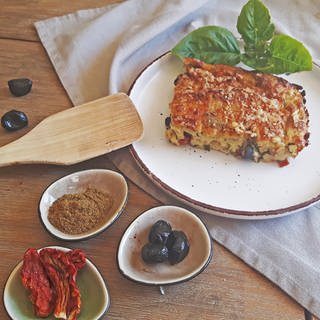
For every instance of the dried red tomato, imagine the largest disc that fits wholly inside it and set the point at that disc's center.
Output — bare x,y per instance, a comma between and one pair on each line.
62,273
35,280
77,257
283,163
53,273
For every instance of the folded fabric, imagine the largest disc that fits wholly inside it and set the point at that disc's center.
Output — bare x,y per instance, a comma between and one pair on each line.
101,51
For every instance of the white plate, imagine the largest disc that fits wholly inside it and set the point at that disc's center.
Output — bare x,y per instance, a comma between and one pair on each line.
212,181
95,299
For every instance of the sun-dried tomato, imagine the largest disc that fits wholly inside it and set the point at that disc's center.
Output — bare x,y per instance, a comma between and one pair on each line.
77,257
51,278
35,280
62,273
283,163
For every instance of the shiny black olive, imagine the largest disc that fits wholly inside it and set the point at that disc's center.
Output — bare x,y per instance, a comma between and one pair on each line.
14,120
154,252
178,246
20,87
160,232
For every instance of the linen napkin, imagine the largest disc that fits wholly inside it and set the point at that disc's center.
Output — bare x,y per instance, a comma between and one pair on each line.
101,51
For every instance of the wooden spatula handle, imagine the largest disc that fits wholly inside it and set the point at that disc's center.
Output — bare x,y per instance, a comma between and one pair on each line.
78,133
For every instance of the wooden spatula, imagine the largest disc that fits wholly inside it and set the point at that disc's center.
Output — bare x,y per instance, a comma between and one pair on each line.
78,133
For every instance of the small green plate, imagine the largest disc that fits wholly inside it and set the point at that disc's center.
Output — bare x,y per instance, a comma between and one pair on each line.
95,299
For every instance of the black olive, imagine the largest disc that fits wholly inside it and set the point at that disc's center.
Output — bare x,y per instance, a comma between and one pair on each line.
20,87
178,246
14,120
167,122
160,232
248,152
154,252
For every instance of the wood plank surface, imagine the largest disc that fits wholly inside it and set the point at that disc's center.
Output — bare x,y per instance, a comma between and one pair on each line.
17,16
227,289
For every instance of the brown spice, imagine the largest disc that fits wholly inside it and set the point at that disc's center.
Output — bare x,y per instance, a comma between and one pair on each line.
80,212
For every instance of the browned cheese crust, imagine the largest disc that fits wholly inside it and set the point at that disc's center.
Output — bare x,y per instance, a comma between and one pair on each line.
248,114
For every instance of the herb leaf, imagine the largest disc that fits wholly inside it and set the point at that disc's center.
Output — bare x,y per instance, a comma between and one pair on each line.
288,55
254,25
263,50
260,63
210,44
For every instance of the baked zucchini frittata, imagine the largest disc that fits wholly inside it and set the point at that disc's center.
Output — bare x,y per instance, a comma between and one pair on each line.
245,113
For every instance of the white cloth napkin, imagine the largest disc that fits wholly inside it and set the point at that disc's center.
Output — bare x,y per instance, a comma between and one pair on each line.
101,51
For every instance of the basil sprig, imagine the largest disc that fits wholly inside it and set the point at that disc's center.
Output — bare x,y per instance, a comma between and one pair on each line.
201,43
263,50
254,25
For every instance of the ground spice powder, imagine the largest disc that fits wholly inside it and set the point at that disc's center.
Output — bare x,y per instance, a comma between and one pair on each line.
80,212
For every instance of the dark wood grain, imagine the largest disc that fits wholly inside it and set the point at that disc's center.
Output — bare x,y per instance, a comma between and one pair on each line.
227,289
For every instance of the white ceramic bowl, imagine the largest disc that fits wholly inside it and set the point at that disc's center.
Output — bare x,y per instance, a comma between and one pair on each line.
95,298
129,259
107,181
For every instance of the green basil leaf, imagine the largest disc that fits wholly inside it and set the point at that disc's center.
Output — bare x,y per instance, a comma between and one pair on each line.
254,24
210,44
258,63
287,55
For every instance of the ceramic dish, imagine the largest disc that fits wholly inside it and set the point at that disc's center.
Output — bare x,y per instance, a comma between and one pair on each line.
95,299
107,181
211,181
131,264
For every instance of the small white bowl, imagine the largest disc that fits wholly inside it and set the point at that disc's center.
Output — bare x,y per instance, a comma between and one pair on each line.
95,298
108,181
129,259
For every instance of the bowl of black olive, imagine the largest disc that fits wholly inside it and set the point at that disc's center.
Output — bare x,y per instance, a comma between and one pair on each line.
164,245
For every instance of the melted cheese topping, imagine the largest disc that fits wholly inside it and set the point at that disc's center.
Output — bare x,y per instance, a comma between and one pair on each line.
227,108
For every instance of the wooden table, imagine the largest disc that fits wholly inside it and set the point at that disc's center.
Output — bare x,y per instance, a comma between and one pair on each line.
227,289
